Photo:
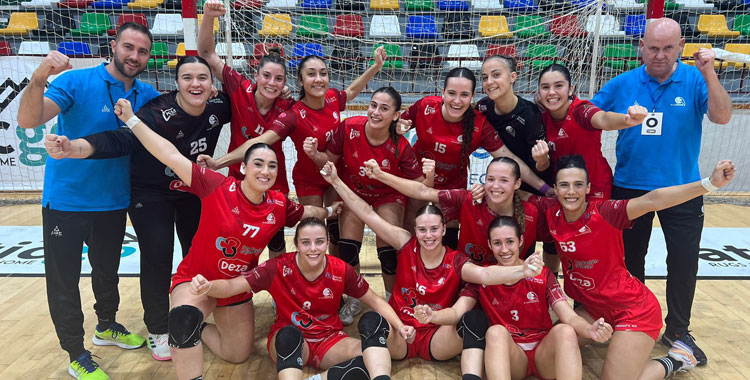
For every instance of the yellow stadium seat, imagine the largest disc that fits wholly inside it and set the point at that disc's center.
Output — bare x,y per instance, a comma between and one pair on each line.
384,5
715,26
180,53
690,49
216,23
20,23
145,4
276,25
494,26
738,48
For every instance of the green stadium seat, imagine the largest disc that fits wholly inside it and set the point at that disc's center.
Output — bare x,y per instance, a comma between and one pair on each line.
92,24
419,5
160,54
530,26
394,55
742,24
541,51
616,56
312,26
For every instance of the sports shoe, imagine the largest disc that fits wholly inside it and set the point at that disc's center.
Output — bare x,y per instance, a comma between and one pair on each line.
345,314
117,335
355,305
683,354
85,368
159,346
687,339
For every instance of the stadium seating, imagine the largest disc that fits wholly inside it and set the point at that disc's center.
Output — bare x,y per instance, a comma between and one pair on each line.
261,49
55,24
345,55
5,48
239,54
686,26
635,25
690,48
494,26
520,5
419,5
742,24
74,49
385,26
172,64
247,4
695,5
167,24
276,25
316,4
394,60
109,4
423,27
105,50
509,50
487,5
36,4
216,23
537,54
530,26
453,5
715,26
34,48
281,4
20,24
625,5
349,26
617,57
159,55
303,50
468,56
92,24
423,56
383,5
74,3
139,18
586,3
145,4
457,26
567,26
738,48
312,26
350,5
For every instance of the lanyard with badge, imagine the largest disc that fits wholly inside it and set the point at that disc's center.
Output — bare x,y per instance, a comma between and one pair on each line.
652,124
112,102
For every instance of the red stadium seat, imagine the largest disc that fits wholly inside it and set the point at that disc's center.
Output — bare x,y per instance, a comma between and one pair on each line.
260,50
5,48
247,4
567,26
507,50
74,3
349,25
139,18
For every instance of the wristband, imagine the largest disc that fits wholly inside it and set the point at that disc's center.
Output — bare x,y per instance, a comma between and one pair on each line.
544,189
330,211
132,121
706,183
210,284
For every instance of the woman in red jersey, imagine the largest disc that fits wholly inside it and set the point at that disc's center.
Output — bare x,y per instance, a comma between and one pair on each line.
574,126
238,219
522,340
357,140
254,106
448,131
501,182
307,287
588,235
429,273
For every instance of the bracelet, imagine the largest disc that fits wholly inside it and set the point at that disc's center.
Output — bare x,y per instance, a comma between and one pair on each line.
706,183
544,189
330,211
132,121
210,284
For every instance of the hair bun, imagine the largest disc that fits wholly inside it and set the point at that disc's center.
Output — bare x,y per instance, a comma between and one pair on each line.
274,50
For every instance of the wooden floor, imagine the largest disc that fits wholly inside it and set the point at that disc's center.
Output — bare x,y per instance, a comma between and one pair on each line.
29,348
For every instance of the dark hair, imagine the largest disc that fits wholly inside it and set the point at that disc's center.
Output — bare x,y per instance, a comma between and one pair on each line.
273,56
518,211
430,209
468,119
135,26
509,61
190,59
505,221
396,97
309,222
571,161
299,72
556,67
255,147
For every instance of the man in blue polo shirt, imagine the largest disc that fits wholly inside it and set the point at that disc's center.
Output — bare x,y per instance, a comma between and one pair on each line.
664,152
86,200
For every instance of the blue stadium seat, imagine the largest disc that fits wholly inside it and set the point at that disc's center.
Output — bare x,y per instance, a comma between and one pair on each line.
109,4
422,27
635,25
317,4
520,5
303,50
453,5
74,48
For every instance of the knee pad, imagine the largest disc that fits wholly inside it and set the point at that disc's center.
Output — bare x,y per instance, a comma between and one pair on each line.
349,251
277,243
373,330
333,231
549,248
185,326
450,239
289,345
388,260
472,327
352,369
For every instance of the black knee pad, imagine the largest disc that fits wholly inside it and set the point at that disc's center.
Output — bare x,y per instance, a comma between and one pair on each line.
450,239
349,251
388,260
333,231
289,345
277,243
472,327
549,248
373,330
352,369
185,326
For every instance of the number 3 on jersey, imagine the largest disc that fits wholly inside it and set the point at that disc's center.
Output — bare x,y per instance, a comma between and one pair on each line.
249,228
198,146
514,315
567,246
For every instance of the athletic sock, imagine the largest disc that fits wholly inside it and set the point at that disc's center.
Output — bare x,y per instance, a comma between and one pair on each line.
103,324
470,376
670,365
382,377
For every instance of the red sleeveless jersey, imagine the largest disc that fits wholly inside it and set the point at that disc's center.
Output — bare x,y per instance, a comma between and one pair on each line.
247,121
575,135
520,307
232,232
438,287
443,141
475,219
351,144
312,306
592,255
301,122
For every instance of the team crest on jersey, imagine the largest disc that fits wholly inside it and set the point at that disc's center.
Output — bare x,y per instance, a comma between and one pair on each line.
429,110
460,139
302,113
214,121
510,130
168,113
481,107
270,219
169,172
327,294
286,271
353,134
561,133
386,164
531,297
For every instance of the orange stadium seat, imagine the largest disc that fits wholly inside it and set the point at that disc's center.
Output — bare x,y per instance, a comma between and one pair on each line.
494,27
715,26
276,25
20,23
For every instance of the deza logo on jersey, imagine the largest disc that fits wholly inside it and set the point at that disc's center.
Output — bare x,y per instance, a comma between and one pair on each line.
229,264
168,113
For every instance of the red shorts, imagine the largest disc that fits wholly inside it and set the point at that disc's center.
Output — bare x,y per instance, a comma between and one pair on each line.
420,348
643,317
317,347
304,189
185,275
380,199
531,366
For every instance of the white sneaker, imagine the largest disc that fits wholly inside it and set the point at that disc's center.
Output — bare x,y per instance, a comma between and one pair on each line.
345,314
388,296
159,346
355,306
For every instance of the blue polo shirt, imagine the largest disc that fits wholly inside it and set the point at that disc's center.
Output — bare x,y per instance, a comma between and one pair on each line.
86,98
652,162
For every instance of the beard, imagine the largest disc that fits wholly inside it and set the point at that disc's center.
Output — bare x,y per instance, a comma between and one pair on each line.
120,66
